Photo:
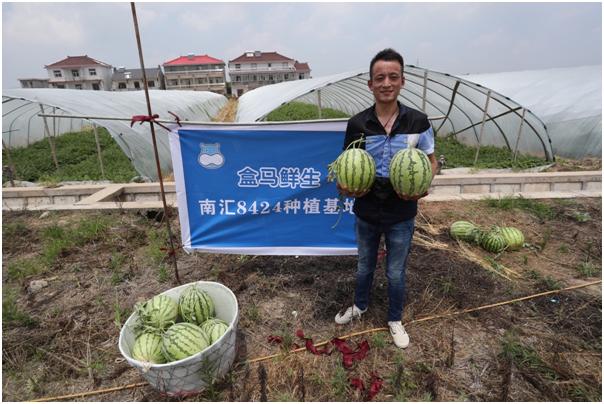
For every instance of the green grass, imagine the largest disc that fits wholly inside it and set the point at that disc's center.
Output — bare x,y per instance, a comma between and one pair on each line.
77,157
298,111
588,269
541,210
459,155
11,313
525,357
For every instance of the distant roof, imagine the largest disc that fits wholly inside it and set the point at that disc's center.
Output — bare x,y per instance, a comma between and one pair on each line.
258,56
34,78
135,73
193,60
77,61
301,66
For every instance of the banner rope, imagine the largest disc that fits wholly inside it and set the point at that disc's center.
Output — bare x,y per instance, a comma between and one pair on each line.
354,334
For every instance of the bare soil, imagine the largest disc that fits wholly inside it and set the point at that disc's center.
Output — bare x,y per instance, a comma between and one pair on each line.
63,338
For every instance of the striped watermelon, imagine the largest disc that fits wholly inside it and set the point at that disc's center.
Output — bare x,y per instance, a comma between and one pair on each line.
183,340
493,241
159,312
195,305
463,230
214,328
513,237
355,170
410,172
147,348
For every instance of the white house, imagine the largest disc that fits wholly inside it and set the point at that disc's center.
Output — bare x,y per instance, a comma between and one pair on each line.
80,73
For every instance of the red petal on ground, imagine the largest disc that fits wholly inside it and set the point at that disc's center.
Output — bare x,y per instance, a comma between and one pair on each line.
275,339
357,383
376,386
300,334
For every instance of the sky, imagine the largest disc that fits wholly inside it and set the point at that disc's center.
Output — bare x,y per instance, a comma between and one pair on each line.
454,38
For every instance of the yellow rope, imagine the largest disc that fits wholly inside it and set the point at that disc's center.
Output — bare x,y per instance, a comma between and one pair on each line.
354,334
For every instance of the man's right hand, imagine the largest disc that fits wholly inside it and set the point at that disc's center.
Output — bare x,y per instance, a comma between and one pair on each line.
346,192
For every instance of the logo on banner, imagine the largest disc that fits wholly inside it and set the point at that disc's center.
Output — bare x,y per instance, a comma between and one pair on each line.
210,156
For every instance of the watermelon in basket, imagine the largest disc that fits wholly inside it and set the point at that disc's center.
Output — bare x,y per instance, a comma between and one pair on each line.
192,360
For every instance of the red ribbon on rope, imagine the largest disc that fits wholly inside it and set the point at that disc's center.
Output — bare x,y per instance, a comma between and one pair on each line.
143,118
349,356
274,339
310,346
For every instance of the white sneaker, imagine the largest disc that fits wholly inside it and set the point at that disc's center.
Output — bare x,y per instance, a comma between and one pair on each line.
350,313
399,335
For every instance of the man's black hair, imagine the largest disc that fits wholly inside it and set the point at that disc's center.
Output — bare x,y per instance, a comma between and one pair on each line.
387,54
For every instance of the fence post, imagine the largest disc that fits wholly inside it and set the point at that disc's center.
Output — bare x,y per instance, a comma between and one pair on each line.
319,102
519,134
425,90
98,149
50,140
484,117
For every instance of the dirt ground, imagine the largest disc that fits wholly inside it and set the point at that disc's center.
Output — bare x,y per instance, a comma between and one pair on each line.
62,338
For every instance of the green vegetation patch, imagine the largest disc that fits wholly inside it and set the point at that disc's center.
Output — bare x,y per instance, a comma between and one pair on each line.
299,111
459,155
538,209
77,157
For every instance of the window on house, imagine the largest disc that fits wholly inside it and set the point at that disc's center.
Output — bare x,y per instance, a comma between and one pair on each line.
286,76
75,73
60,86
95,86
301,76
121,85
284,65
254,78
269,65
254,66
173,82
92,72
237,66
270,76
78,86
57,73
151,83
199,81
137,85
237,78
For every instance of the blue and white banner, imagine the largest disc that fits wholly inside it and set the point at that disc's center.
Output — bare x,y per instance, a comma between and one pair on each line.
261,189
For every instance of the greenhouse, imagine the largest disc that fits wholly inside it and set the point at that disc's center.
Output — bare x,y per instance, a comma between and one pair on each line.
547,113
22,125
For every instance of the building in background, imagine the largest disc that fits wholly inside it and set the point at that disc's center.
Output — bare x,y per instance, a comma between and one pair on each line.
80,73
132,79
34,83
256,69
196,72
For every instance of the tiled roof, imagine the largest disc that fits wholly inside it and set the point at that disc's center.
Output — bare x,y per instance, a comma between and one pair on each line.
193,60
136,74
301,66
77,61
264,57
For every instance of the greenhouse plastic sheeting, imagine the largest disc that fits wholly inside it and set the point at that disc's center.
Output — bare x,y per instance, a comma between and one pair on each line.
455,106
22,126
568,101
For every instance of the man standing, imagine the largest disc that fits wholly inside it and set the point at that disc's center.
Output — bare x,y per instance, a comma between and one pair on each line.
387,127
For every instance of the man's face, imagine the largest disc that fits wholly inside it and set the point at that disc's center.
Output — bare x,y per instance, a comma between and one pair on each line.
387,81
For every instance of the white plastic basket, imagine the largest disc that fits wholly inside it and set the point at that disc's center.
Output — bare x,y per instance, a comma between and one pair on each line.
191,375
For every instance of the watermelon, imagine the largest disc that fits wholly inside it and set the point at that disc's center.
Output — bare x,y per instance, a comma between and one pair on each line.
410,172
195,306
354,170
159,312
147,348
183,340
513,237
214,328
464,230
493,241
